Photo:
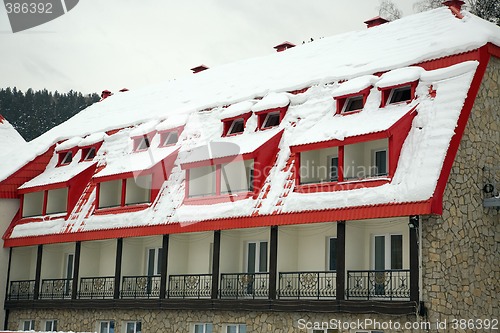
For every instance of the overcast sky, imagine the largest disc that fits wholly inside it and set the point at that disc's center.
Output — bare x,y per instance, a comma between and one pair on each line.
114,44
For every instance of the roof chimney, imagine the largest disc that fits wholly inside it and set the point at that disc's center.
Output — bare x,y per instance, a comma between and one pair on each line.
123,90
105,94
198,69
283,46
1,119
455,7
375,21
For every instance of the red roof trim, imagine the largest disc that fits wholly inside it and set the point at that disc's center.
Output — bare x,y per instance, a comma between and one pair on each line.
327,215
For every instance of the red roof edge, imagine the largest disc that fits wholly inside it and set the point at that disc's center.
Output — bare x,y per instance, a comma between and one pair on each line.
327,215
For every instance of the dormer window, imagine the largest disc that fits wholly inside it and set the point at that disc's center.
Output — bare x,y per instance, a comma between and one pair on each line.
141,143
65,158
88,154
398,94
272,119
169,138
354,103
237,127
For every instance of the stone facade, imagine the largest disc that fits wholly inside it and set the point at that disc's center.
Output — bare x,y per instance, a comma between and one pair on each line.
182,321
461,248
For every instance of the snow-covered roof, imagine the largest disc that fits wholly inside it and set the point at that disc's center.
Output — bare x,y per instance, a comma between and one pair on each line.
9,137
200,101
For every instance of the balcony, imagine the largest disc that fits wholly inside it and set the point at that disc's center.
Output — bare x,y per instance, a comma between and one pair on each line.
244,285
56,289
190,286
97,287
22,290
141,287
378,284
307,285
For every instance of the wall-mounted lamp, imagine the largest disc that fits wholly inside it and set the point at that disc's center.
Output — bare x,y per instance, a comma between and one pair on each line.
413,223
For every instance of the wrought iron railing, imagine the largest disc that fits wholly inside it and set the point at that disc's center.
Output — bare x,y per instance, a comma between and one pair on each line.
22,290
307,285
244,285
379,284
190,286
141,287
97,287
56,288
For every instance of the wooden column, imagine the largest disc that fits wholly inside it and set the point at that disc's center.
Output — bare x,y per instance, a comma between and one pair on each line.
118,267
164,265
38,272
273,262
340,273
414,262
76,270
216,265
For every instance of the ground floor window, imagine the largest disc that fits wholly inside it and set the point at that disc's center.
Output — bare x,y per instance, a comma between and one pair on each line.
236,328
107,326
203,328
27,325
133,327
51,325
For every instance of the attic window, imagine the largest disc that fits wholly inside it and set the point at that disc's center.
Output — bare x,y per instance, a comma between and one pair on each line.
272,119
399,95
355,103
237,126
141,143
169,138
65,158
88,153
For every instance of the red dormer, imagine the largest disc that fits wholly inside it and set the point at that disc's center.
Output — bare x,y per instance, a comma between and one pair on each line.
401,93
143,142
66,156
199,68
89,152
375,21
170,137
270,118
235,125
284,46
352,103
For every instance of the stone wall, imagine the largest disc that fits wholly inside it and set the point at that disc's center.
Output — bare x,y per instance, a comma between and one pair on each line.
461,249
182,321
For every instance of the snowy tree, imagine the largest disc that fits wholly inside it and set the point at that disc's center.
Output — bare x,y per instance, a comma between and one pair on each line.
486,9
389,10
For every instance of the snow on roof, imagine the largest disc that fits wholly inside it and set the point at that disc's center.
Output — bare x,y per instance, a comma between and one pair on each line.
92,139
68,144
199,99
171,122
9,137
355,85
271,101
237,109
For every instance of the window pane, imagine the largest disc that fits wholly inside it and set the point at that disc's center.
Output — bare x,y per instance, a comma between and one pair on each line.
236,176
354,104
251,258
271,120
151,262
170,138
202,181
237,126
332,265
208,328
130,328
110,193
138,327
334,169
242,328
111,326
263,257
104,327
57,200
138,190
198,328
380,163
379,252
158,261
400,94
396,252
33,204
317,166
231,329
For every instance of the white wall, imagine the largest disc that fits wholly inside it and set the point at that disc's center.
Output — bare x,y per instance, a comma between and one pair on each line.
199,255
97,258
202,181
54,260
312,245
134,255
315,165
233,247
178,255
8,208
57,200
358,158
110,193
32,204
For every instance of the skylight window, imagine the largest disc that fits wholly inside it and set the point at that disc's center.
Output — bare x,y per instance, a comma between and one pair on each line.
399,95
88,153
169,138
65,158
142,143
354,103
237,126
272,120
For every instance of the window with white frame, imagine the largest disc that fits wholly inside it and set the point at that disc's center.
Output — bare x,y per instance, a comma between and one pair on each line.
272,119
398,95
110,193
65,158
57,201
138,190
202,328
141,143
379,163
88,154
106,326
50,325
202,181
153,266
237,126
133,327
354,103
237,176
387,252
169,138
27,325
256,257
235,328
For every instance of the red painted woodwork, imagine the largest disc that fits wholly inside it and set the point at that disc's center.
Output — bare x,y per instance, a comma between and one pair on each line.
283,46
386,91
227,122
261,115
341,100
375,21
178,130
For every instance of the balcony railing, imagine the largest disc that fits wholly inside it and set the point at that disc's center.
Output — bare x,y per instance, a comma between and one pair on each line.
22,290
307,285
56,288
190,286
97,287
140,287
378,284
244,285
